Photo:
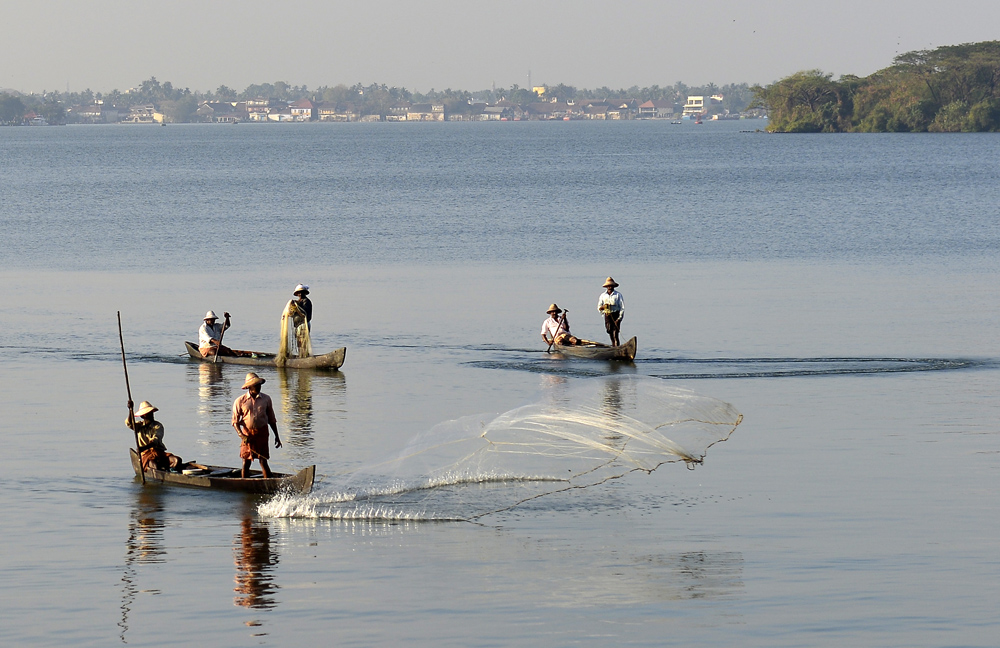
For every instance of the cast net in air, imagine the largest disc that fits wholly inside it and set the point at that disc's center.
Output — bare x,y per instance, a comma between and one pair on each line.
295,342
576,436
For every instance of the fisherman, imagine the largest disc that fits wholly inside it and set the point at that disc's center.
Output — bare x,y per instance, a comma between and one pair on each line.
555,330
302,291
210,336
612,305
252,414
149,437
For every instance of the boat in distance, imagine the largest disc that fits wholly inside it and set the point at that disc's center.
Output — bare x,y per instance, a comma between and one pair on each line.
332,360
598,351
227,479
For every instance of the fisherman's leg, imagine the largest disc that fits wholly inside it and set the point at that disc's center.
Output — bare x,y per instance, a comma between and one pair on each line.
609,326
618,330
264,468
246,468
174,461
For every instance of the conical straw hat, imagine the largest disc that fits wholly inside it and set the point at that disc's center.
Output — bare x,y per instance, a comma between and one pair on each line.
145,407
252,379
554,309
610,282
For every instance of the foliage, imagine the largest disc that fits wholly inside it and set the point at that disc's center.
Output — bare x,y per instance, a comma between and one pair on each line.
12,109
949,89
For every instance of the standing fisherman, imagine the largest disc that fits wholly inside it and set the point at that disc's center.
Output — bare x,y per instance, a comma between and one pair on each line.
302,291
252,414
612,305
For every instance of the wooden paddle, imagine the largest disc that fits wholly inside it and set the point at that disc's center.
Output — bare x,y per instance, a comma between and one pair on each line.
558,326
128,390
222,335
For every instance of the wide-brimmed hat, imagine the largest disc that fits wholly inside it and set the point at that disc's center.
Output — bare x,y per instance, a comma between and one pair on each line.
251,380
610,282
554,309
145,407
301,288
211,315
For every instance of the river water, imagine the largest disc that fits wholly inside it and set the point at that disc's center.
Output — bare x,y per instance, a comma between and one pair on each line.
841,292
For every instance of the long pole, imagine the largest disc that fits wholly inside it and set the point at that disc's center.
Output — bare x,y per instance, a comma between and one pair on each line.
128,390
222,336
558,326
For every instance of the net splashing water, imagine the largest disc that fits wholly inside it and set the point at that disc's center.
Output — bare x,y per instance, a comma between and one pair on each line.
575,436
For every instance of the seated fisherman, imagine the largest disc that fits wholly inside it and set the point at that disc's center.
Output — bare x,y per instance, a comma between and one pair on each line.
555,330
149,436
210,334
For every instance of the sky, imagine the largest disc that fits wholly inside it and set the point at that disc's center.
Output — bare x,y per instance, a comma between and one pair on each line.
471,45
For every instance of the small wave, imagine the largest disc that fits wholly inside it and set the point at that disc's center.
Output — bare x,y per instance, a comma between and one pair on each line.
703,368
668,368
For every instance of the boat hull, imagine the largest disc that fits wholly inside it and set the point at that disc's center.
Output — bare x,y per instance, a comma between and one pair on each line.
300,482
332,360
625,352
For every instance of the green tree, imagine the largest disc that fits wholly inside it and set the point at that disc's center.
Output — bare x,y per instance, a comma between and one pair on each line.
11,110
53,112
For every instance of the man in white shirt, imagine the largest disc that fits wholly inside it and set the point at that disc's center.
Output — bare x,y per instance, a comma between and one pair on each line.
210,335
612,305
555,330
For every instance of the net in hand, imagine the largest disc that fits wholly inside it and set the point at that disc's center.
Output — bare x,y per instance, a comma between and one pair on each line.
295,342
576,436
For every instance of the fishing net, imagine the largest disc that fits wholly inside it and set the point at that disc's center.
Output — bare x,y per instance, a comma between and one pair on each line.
576,436
295,342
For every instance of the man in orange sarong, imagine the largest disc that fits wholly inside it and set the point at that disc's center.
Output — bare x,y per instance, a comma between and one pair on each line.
252,414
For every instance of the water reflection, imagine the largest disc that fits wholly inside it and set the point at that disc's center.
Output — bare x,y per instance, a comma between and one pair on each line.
255,561
143,546
297,388
214,389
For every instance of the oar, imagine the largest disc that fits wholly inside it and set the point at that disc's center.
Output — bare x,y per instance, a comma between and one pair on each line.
558,326
221,336
128,390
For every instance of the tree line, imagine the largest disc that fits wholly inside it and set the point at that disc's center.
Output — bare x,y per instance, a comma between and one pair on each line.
180,104
954,88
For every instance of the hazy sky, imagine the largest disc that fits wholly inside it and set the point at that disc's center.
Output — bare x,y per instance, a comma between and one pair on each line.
467,44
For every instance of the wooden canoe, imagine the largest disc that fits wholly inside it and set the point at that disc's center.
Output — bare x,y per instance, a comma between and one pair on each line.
228,479
596,351
332,360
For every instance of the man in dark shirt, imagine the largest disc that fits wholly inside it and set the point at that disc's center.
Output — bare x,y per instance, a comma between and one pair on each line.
302,292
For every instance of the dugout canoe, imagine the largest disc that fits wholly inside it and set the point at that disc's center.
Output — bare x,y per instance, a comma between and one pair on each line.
597,351
332,360
228,479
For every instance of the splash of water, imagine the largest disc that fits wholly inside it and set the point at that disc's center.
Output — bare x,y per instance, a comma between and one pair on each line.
575,436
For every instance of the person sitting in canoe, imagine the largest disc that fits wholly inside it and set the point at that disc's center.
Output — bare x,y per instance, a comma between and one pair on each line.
252,414
555,330
149,437
210,336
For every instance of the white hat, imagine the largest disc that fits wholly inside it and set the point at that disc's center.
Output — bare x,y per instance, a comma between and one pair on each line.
145,407
301,288
211,315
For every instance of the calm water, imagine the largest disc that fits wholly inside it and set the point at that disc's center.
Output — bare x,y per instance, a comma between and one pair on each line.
841,291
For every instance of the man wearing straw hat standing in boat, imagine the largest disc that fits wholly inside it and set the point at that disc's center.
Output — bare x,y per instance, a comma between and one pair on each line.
149,437
612,305
252,414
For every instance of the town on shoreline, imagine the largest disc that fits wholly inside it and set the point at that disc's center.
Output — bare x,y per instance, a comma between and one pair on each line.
153,103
